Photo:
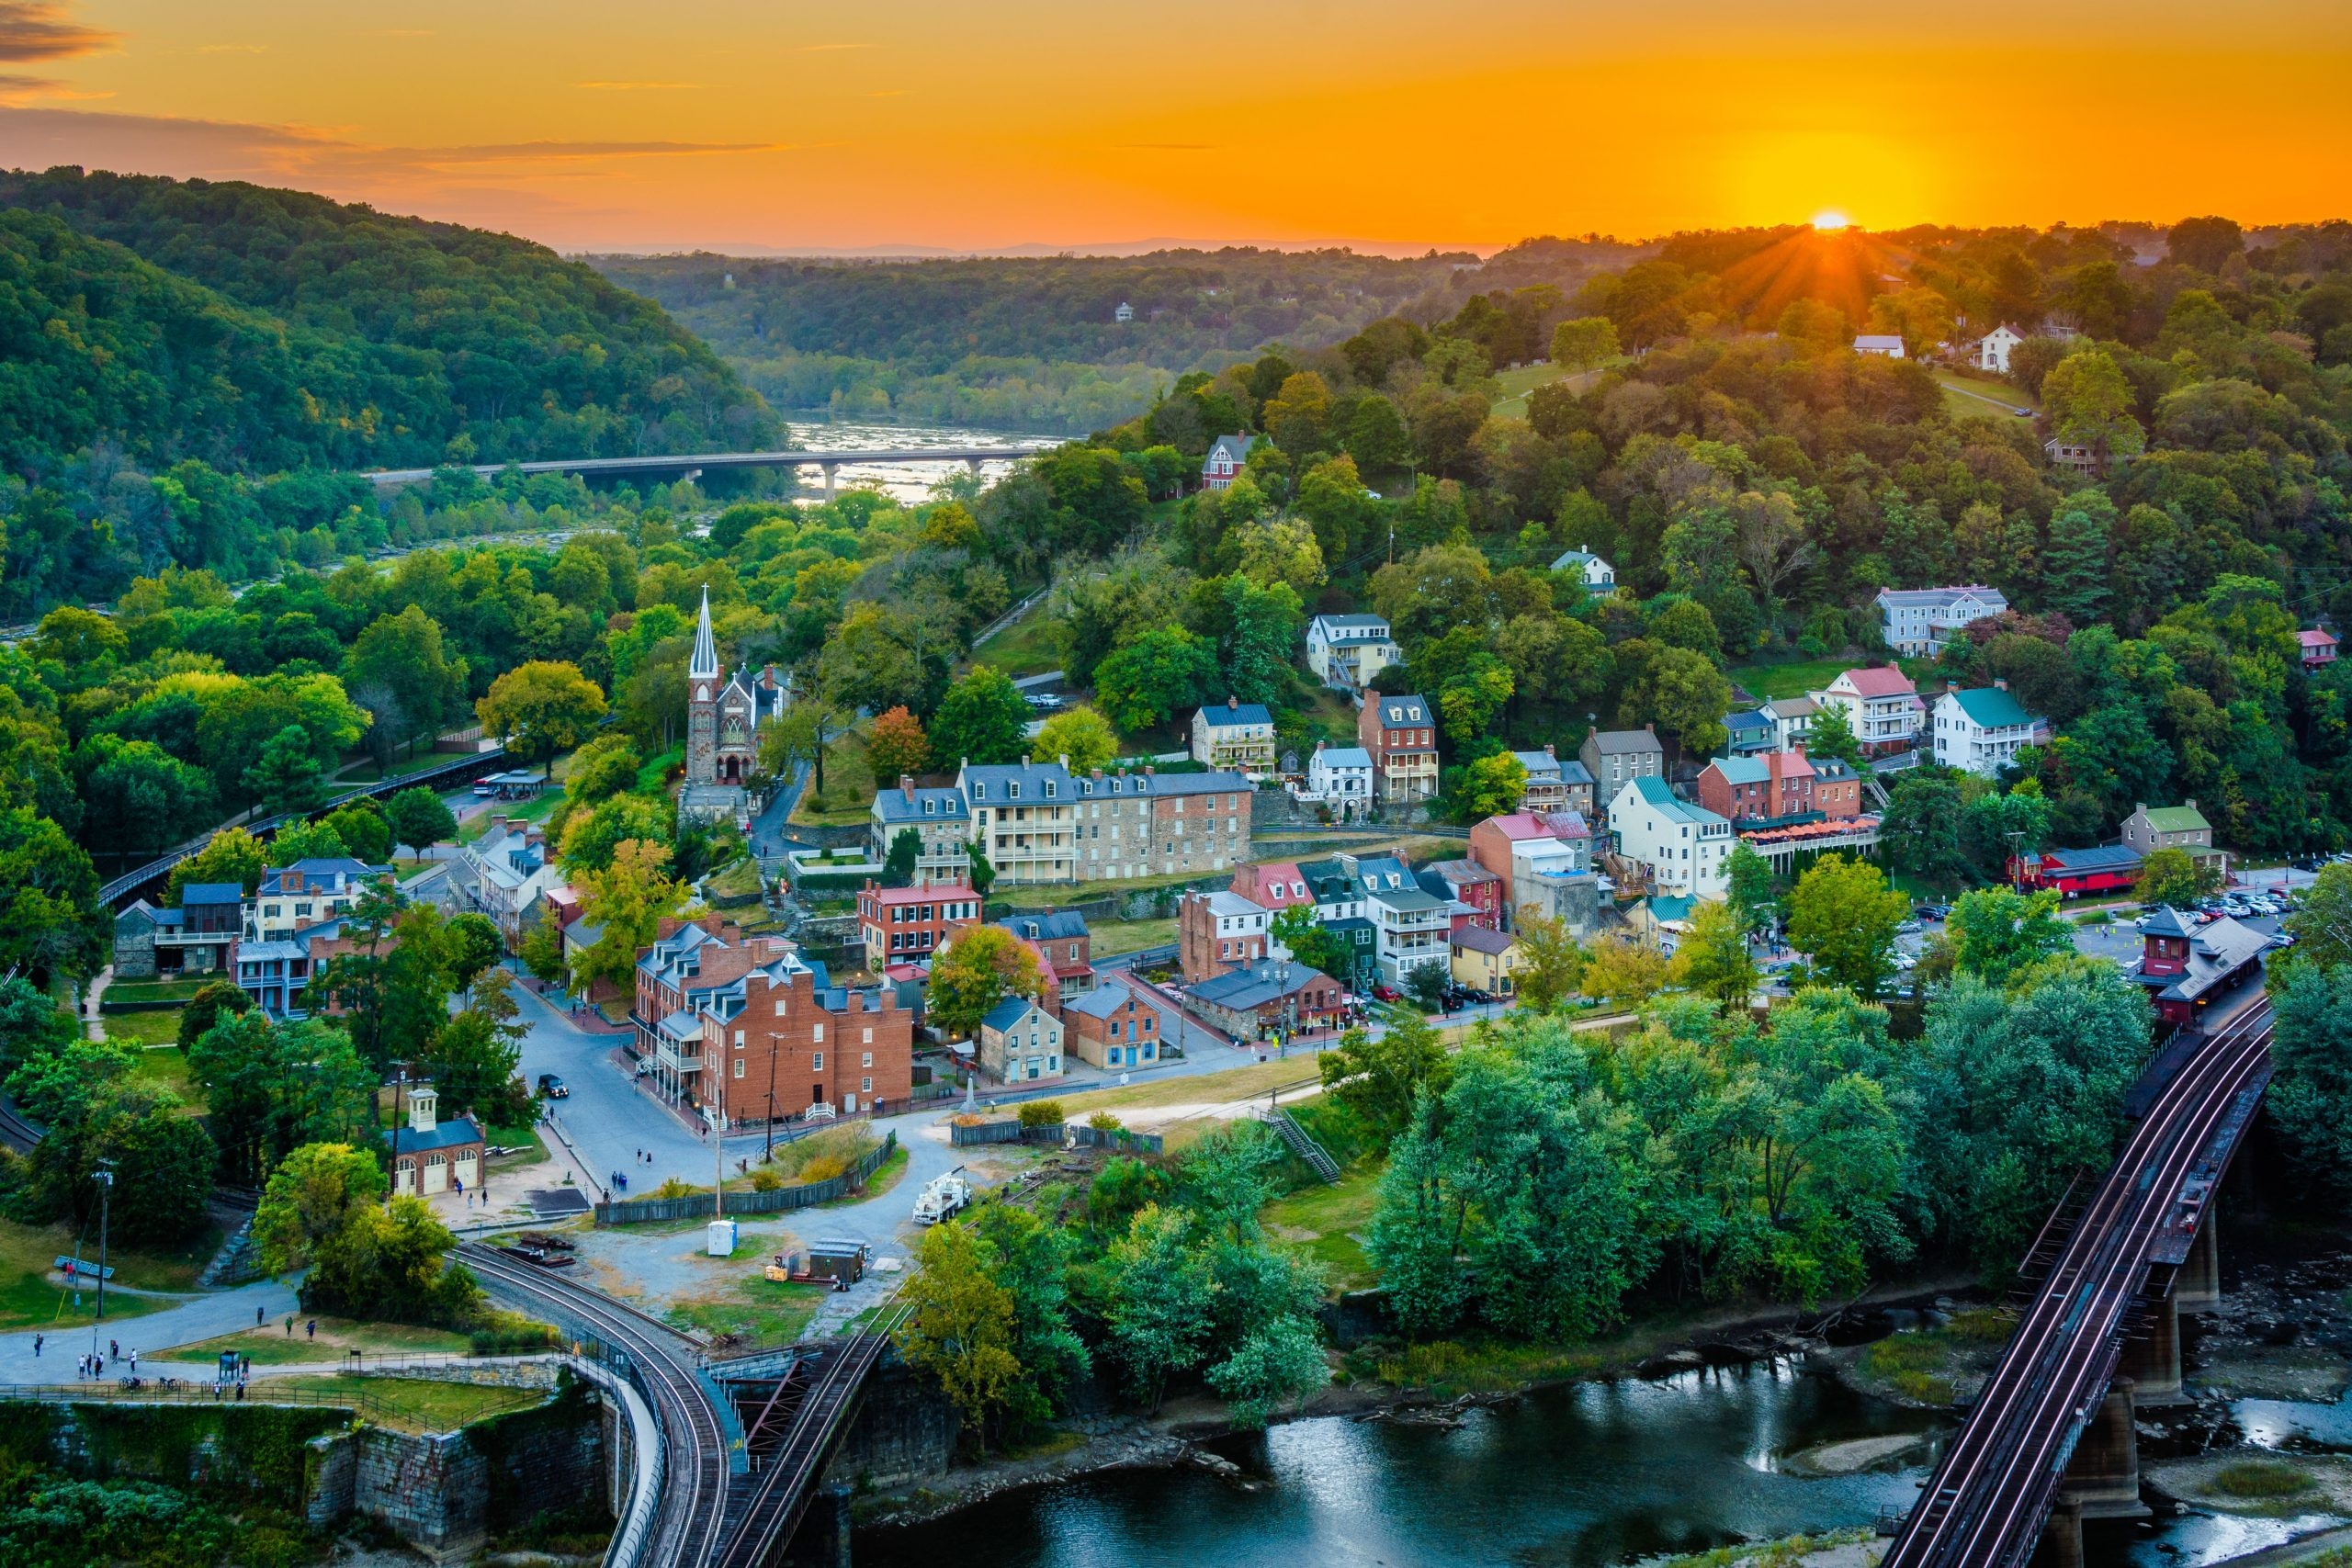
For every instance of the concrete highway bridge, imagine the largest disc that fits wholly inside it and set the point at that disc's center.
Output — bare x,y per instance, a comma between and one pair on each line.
2051,1441
689,466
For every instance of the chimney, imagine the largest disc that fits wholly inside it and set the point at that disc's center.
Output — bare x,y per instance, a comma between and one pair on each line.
2192,803
2000,684
907,787
1548,751
2141,806
1651,728
1148,769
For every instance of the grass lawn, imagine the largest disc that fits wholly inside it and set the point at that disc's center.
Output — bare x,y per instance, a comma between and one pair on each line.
30,1299
651,777
1795,677
157,990
535,1152
886,1176
751,1306
740,880
1197,1088
1327,1222
167,1066
140,1029
848,795
272,1346
1130,936
1965,396
1330,718
1030,646
1517,384
413,1404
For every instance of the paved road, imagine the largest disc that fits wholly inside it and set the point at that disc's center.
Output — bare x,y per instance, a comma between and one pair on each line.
199,1317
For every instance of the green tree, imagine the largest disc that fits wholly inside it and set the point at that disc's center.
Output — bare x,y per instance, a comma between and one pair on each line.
982,719
1551,964
1158,1301
590,841
1426,985
285,777
1378,1077
541,709
399,671
1491,787
1159,676
2090,403
2323,926
472,1059
312,1194
274,1087
1584,343
1297,931
364,834
985,965
388,1265
1748,889
2311,1091
1998,933
1711,960
1684,694
1842,916
2075,565
961,1329
33,1024
1627,970
905,858
1831,737
204,1010
1921,828
2173,877
232,854
419,818
1080,734
628,898
51,920
470,944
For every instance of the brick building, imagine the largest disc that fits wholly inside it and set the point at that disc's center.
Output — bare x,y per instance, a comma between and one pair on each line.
780,1041
1113,1027
1401,735
1065,948
901,925
1216,932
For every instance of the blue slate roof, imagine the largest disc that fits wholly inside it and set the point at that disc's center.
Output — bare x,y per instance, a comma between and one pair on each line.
455,1132
1061,925
1222,716
1102,1001
211,892
1006,1013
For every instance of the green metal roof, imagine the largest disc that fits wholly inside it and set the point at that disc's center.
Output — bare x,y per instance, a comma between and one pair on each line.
2177,819
1989,707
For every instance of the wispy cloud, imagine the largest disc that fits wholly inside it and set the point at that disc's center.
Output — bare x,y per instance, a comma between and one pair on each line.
39,29
638,87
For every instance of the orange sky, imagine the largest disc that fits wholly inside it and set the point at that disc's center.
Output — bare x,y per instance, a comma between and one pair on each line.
662,124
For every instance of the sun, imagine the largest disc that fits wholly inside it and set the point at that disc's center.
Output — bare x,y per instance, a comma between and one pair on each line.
1828,222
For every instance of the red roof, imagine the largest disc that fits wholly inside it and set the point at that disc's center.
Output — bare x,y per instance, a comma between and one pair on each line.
1520,825
2316,638
1880,680
931,895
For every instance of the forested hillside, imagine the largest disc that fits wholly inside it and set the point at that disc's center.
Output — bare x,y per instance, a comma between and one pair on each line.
1035,344
178,360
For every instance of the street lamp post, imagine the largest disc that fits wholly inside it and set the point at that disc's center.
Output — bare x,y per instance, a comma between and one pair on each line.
105,1176
399,1088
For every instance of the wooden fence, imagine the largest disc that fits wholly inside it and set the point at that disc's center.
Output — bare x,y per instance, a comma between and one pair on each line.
1085,1136
744,1200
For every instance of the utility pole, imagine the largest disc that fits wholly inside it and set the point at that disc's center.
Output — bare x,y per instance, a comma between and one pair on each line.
104,1176
718,1140
400,1086
767,1156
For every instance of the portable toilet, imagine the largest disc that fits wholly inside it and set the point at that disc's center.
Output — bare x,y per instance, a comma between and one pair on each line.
722,1239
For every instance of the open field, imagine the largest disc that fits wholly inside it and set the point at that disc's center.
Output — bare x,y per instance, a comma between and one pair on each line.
1130,936
1965,397
749,1305
273,1347
1327,1222
1517,384
1250,1081
1030,646
30,1299
154,990
140,1030
1795,677
167,1066
418,1405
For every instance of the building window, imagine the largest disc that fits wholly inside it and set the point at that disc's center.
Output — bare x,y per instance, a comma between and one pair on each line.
739,1066
870,1059
819,1035
817,1062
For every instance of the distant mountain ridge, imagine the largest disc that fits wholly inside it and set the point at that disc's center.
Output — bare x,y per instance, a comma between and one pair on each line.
264,330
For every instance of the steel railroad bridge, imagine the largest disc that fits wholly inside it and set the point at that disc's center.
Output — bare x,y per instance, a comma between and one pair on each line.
690,465
2051,1441
742,1444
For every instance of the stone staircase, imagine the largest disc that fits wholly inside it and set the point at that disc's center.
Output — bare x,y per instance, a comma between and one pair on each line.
1318,1158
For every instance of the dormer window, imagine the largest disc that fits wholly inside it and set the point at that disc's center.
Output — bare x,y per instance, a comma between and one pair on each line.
1013,791
929,807
979,792
1050,789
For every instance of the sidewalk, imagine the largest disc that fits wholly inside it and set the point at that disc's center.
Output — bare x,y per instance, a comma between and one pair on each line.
198,1318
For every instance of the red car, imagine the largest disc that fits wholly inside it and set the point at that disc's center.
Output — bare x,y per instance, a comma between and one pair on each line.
1387,994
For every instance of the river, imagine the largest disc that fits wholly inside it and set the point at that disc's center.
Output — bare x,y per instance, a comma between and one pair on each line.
903,481
1583,1476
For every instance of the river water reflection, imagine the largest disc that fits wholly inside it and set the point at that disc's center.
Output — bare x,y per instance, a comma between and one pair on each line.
1594,1474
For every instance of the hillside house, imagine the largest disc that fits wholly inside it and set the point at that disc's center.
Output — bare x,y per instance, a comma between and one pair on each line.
1062,940
1768,789
1219,931
1879,345
1678,847
1235,735
1226,456
1615,757
1555,783
1340,778
1597,575
1980,731
1484,960
1346,652
1992,351
938,817
2319,647
1918,622
1881,706
907,925
1400,733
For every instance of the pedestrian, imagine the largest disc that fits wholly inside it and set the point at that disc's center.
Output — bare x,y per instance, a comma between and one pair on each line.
257,1316
312,1328
241,1389
36,1345
134,1361
114,1349
290,1326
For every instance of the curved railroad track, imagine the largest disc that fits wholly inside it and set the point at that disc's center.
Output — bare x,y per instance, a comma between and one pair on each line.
1986,1504
688,1529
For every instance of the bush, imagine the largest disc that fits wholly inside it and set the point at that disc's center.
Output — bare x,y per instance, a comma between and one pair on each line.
1104,1121
823,1168
498,1333
1042,1114
2261,1478
835,1149
766,1179
673,1188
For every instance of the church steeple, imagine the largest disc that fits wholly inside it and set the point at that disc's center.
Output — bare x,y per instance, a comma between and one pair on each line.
704,665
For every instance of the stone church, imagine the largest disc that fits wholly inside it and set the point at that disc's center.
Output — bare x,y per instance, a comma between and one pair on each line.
723,717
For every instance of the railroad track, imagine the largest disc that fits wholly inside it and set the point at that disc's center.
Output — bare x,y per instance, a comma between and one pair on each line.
692,1480
1986,1504
781,1494
16,1131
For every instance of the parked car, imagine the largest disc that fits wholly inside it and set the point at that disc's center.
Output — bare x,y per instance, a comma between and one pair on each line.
552,1087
